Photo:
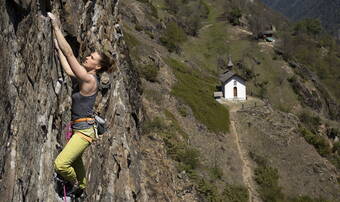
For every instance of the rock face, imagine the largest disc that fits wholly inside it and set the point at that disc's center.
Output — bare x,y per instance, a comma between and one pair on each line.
318,98
35,106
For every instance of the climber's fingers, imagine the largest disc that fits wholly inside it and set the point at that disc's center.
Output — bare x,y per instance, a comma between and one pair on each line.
56,45
55,19
52,16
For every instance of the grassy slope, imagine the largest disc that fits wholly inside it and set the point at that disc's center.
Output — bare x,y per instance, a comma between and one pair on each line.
196,91
220,39
210,43
194,86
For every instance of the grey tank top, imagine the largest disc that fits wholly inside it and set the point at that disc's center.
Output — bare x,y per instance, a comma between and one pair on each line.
82,107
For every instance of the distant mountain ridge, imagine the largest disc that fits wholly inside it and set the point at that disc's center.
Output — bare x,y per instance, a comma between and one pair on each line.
328,11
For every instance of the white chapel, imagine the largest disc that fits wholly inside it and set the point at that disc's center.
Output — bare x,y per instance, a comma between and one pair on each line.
233,86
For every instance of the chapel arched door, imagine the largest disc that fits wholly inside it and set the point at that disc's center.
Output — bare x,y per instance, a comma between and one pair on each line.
235,92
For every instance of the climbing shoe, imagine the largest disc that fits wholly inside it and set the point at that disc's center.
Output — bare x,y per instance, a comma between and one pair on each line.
76,192
61,184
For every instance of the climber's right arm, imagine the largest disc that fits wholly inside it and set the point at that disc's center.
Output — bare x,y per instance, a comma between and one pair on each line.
65,64
63,60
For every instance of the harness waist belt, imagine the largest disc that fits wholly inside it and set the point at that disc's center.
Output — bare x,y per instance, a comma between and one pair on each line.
83,120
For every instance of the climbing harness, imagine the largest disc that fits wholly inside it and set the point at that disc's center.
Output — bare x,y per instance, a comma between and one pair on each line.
88,120
99,126
68,128
87,138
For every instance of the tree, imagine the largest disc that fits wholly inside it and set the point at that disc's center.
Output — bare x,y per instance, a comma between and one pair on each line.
234,16
256,23
172,5
308,26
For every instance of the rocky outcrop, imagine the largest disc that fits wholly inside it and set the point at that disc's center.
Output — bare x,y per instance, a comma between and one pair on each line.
315,97
35,101
308,97
275,136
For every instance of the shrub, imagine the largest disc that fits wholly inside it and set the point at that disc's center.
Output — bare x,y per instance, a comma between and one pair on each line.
154,125
153,9
319,143
207,190
173,37
292,79
310,121
190,16
263,92
170,45
234,16
261,161
174,124
333,132
246,72
335,160
267,178
306,199
193,23
138,27
172,6
177,148
130,40
189,158
204,8
336,147
216,172
153,95
149,72
150,34
235,193
182,110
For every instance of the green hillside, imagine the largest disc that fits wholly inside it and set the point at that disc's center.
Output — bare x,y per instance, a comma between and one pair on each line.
180,47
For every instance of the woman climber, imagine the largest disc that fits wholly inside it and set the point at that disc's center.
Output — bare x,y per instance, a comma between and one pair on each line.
69,163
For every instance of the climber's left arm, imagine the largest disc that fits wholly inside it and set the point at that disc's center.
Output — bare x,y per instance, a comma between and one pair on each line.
64,46
79,71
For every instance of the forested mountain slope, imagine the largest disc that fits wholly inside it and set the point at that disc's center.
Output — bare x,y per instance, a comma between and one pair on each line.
328,11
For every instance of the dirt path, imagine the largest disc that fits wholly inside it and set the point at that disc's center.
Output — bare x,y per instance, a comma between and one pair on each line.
246,169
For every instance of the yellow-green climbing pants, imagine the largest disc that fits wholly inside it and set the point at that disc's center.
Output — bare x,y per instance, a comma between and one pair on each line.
69,163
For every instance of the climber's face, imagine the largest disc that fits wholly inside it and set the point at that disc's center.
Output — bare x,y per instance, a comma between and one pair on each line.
92,61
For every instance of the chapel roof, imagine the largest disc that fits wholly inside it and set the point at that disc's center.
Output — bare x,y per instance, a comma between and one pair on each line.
228,75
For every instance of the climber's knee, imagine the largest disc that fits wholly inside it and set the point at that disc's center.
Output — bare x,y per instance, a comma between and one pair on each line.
60,166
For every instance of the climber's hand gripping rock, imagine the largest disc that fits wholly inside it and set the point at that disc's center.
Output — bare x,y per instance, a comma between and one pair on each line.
55,20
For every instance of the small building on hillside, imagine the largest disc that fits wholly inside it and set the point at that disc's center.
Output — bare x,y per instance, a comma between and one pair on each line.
233,86
268,35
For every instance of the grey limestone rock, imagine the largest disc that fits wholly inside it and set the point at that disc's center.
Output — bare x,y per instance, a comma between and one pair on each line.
35,105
